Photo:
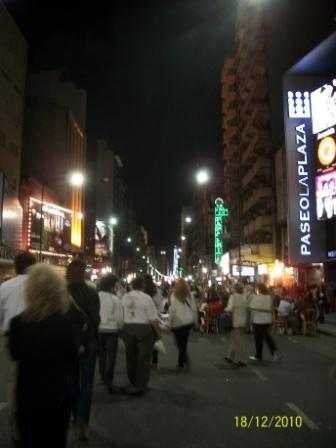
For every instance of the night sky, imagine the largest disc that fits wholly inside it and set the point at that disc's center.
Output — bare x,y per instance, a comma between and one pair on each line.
151,70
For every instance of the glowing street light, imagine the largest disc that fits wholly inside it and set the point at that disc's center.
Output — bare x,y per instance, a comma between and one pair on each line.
163,252
138,249
202,177
188,219
183,238
129,239
113,221
77,179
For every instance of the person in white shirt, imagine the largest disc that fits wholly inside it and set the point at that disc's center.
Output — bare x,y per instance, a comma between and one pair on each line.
111,322
141,329
285,307
238,307
183,316
13,303
261,306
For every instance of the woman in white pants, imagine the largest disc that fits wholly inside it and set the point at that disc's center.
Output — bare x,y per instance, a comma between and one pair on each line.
238,306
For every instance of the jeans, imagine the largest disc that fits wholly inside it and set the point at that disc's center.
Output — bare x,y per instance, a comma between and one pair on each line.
181,335
83,388
139,340
261,332
108,349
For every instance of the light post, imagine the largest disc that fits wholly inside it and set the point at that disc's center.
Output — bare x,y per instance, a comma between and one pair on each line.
202,179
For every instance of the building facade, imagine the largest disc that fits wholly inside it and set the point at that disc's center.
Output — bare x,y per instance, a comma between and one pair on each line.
13,63
55,145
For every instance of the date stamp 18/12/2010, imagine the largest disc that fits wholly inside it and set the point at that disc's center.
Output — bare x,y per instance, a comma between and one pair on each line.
268,422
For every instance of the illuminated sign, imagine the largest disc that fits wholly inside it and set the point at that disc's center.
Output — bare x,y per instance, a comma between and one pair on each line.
221,215
103,239
175,262
326,195
306,235
246,271
54,230
323,104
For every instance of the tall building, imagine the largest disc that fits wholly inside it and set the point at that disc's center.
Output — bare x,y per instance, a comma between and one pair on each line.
54,148
13,62
269,39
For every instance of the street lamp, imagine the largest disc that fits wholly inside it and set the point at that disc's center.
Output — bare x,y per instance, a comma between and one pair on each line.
202,177
183,238
138,249
113,221
77,179
188,219
129,239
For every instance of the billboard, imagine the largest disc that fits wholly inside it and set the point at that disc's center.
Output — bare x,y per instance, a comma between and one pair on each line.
221,214
53,233
306,233
103,239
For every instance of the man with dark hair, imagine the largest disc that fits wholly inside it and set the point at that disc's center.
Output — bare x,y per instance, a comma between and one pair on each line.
87,301
12,303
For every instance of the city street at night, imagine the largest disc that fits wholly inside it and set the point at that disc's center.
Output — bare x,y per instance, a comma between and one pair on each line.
188,410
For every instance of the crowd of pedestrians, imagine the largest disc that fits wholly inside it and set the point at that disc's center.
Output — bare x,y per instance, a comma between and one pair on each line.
55,328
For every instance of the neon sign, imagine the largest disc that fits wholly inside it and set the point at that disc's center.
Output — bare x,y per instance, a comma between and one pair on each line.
221,215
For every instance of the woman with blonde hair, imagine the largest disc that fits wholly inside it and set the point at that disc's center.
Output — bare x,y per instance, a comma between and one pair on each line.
183,316
43,341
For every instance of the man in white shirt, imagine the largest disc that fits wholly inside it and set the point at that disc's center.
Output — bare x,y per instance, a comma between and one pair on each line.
141,328
261,306
12,303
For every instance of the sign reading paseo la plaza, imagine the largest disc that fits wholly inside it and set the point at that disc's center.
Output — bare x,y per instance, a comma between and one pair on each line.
310,120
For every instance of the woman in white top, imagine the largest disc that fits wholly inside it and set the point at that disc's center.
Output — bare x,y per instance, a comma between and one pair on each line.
261,306
111,322
238,307
183,316
141,329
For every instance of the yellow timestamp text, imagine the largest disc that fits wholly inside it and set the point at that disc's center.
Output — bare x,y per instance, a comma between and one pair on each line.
268,421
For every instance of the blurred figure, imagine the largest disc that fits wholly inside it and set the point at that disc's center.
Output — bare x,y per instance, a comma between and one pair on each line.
151,290
43,342
238,307
87,301
261,307
141,329
183,316
111,322
12,303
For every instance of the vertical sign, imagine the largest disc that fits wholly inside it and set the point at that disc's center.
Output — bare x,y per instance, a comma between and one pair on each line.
221,215
306,236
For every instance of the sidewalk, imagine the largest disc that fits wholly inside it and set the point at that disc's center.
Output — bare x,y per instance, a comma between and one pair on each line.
329,326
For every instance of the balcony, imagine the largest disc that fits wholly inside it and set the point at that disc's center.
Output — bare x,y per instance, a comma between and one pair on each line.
261,195
260,225
259,170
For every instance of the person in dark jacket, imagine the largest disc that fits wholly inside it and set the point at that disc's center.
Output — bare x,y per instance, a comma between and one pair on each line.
87,301
42,340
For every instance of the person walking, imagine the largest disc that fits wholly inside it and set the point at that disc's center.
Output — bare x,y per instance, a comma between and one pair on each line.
12,303
111,322
183,316
87,301
238,307
141,329
261,306
43,342
151,290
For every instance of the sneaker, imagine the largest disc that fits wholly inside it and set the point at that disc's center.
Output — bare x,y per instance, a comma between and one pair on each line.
254,358
229,360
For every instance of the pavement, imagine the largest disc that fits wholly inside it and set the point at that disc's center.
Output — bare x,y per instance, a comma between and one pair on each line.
206,408
329,326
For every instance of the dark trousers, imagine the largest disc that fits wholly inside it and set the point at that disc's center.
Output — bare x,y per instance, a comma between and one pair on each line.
108,349
83,388
155,358
261,332
181,335
42,427
139,340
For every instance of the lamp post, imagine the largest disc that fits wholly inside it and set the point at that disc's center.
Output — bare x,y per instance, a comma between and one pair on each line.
202,179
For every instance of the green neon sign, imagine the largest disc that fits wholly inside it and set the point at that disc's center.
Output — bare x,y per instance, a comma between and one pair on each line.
221,215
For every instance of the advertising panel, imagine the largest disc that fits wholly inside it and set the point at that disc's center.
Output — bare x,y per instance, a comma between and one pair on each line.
55,228
103,239
306,234
221,214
